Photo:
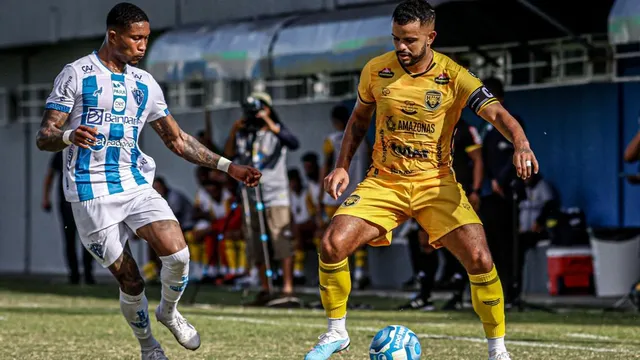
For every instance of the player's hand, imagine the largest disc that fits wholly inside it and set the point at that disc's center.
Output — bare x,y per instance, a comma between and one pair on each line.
84,136
474,200
336,182
525,162
46,205
245,174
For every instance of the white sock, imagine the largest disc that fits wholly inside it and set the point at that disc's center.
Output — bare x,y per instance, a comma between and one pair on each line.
339,325
174,277
135,309
496,346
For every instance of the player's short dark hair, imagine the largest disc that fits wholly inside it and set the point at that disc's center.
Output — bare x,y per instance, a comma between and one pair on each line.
409,11
124,14
340,113
310,157
294,174
495,86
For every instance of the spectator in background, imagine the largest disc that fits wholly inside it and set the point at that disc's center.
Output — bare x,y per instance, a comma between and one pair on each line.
304,226
201,223
311,166
497,211
469,170
259,138
182,209
68,223
361,160
632,155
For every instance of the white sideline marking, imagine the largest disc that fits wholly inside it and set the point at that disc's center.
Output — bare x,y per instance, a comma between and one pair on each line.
589,336
430,336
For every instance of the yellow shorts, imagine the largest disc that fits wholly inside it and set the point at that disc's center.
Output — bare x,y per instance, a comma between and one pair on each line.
438,204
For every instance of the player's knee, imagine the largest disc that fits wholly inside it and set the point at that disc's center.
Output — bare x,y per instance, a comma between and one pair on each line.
480,262
331,250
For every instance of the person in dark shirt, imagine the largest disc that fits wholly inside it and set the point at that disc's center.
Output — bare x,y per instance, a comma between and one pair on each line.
497,211
68,223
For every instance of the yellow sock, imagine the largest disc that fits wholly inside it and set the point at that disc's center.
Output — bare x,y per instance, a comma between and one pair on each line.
488,302
241,246
335,286
231,254
298,262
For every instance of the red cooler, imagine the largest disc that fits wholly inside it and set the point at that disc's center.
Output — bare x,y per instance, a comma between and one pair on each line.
570,270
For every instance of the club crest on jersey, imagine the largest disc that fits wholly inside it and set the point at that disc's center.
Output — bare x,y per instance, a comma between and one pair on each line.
442,79
119,89
386,73
97,249
138,96
351,200
391,125
432,100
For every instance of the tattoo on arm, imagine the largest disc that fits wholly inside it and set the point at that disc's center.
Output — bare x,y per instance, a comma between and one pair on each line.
183,144
49,136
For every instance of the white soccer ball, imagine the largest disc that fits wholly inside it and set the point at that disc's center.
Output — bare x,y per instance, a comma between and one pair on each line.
395,342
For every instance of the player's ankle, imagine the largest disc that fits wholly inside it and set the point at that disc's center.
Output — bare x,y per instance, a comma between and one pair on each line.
339,325
496,345
168,308
148,343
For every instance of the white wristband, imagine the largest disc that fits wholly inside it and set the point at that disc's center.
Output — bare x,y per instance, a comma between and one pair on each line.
223,164
66,137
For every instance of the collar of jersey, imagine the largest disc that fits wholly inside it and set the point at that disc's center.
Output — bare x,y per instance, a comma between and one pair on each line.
433,64
95,52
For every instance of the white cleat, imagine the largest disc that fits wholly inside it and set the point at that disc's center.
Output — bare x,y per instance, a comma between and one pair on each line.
184,332
154,354
503,355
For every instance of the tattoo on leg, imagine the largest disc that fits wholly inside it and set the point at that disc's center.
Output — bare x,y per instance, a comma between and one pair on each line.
125,270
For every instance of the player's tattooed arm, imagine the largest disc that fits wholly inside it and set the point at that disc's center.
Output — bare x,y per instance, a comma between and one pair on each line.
183,144
49,137
355,132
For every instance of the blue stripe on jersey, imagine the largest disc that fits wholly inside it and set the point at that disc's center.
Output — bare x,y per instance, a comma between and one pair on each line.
58,107
135,154
83,178
119,88
112,160
142,90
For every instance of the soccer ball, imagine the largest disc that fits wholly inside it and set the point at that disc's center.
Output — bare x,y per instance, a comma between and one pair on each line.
395,342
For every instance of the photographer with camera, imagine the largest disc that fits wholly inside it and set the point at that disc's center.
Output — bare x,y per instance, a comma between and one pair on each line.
260,139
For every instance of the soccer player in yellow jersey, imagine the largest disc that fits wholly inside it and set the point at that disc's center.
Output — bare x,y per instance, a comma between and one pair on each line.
418,95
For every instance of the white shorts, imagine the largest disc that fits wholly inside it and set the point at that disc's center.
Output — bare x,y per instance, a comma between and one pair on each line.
102,223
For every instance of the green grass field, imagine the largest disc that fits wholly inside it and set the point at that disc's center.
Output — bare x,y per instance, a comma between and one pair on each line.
40,320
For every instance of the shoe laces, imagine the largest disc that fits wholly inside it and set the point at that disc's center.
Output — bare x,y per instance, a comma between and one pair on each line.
182,323
329,337
502,356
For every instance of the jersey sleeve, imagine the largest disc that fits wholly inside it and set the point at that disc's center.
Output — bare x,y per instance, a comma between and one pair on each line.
471,91
158,106
63,96
365,95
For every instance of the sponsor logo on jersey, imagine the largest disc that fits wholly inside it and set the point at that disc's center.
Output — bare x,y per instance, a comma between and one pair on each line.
442,79
408,151
386,92
400,172
97,92
391,125
432,99
138,96
119,89
65,86
119,104
95,116
409,108
386,73
416,127
87,69
351,200
102,142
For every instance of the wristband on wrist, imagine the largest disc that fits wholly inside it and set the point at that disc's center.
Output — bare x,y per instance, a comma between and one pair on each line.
66,137
223,164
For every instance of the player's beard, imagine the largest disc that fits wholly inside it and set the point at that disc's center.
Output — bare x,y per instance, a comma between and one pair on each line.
415,59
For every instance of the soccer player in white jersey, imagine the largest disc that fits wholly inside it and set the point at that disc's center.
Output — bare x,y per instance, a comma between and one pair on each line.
95,114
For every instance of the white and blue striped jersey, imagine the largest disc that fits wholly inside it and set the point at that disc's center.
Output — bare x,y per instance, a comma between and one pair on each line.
118,105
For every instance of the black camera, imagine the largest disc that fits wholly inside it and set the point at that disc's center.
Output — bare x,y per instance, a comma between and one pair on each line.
251,106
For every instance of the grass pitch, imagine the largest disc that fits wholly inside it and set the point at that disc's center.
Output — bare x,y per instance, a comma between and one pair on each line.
41,320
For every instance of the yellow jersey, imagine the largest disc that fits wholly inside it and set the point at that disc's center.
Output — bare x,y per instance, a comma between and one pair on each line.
416,114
